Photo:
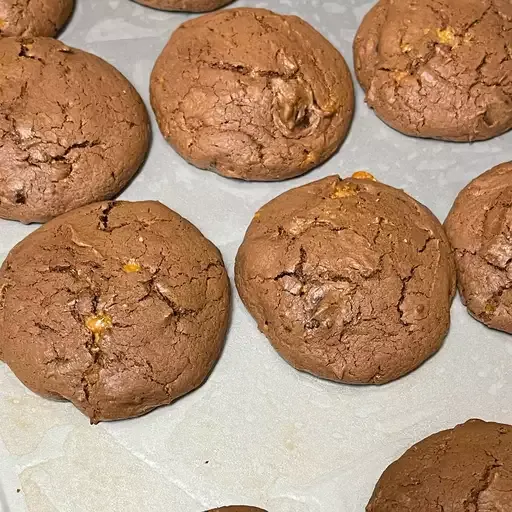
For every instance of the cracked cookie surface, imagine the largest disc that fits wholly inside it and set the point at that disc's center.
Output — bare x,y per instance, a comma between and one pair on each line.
252,95
185,5
118,307
464,469
350,280
33,17
73,130
438,68
479,227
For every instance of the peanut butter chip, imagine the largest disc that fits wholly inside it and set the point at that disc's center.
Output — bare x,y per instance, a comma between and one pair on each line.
399,75
489,308
446,36
311,157
363,175
344,190
98,324
2,22
131,267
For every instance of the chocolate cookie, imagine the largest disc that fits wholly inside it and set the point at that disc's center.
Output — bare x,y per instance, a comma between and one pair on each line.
252,95
237,508
185,5
438,68
464,469
33,17
118,307
350,280
73,130
479,227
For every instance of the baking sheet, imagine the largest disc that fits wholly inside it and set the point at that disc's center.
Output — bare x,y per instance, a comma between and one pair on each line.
258,432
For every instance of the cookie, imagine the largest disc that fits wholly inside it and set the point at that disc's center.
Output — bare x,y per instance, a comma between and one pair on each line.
479,227
185,5
119,307
252,94
438,68
73,130
464,469
34,17
237,508
350,279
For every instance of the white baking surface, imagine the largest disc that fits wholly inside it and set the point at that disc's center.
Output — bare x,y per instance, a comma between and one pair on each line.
258,432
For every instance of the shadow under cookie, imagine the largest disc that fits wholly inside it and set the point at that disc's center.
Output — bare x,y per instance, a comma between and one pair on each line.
185,5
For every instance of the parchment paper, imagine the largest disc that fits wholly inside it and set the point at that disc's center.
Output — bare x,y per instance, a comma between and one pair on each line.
258,432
